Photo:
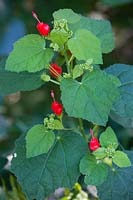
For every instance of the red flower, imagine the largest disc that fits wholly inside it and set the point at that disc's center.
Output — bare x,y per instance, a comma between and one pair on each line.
94,143
55,70
43,29
56,107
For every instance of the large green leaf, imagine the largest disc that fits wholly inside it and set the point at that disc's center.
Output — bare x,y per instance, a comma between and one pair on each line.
122,111
41,175
90,99
38,140
29,54
11,82
95,172
100,28
84,46
119,184
67,14
108,138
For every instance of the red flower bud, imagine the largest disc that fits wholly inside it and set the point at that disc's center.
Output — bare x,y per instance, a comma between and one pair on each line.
43,29
94,143
57,108
55,70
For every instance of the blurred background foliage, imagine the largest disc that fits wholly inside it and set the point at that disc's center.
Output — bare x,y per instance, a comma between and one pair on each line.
20,111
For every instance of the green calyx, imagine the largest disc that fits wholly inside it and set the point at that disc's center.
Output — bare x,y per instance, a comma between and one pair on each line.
52,123
62,25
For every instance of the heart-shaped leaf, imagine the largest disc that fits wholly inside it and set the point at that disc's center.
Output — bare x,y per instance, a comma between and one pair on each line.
90,99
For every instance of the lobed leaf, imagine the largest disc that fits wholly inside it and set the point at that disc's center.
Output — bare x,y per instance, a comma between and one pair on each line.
90,99
95,172
100,28
84,46
121,159
29,54
41,175
108,138
67,14
119,183
38,140
122,111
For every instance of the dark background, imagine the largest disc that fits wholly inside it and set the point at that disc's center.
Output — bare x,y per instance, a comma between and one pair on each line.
20,111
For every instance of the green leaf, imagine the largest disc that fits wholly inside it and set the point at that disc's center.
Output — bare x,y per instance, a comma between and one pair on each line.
59,37
67,14
77,71
122,111
38,140
57,124
99,153
41,175
121,159
29,54
11,82
84,45
119,183
108,138
100,28
90,99
95,172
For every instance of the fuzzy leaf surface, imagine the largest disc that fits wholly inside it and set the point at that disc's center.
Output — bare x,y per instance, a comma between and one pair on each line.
122,111
41,175
84,46
58,37
108,138
67,14
119,183
90,99
96,173
100,153
100,28
29,54
121,159
38,140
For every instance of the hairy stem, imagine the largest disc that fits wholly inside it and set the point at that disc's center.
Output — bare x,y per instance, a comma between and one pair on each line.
67,62
95,130
81,127
53,81
71,59
70,63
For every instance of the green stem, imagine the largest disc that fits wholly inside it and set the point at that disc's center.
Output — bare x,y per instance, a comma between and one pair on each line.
70,60
95,129
66,58
70,63
81,127
53,81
